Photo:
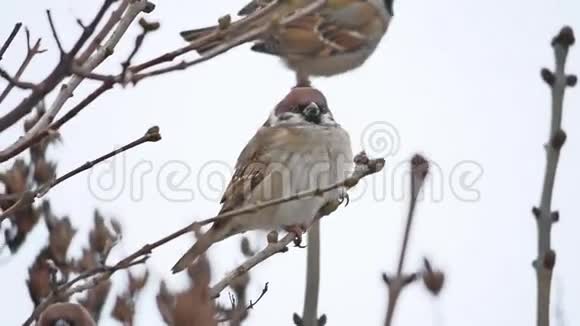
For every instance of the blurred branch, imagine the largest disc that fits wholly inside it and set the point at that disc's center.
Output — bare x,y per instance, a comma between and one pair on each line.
26,198
310,310
545,217
10,38
231,34
396,283
92,277
251,305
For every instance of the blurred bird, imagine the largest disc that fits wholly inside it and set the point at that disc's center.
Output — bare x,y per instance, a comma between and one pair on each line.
65,314
338,38
300,147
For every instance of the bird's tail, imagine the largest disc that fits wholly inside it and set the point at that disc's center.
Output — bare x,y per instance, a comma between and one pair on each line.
213,235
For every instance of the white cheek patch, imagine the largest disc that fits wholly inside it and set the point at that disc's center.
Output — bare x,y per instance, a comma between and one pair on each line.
287,118
326,119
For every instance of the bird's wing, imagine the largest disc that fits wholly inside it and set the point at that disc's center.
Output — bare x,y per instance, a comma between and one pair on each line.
253,167
341,28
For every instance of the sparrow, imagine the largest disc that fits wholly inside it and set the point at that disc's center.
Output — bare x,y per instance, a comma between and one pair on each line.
338,38
65,314
300,147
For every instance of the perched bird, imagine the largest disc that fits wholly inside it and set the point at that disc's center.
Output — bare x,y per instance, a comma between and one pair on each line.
338,38
65,314
300,147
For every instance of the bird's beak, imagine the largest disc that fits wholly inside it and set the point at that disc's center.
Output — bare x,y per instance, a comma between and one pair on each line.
312,113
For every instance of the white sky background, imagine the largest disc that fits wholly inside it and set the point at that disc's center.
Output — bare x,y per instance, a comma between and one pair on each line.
458,80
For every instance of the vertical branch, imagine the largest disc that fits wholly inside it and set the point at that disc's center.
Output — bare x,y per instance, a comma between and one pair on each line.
310,311
545,217
395,284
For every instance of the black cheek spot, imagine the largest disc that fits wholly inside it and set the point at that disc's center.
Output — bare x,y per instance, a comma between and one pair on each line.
284,117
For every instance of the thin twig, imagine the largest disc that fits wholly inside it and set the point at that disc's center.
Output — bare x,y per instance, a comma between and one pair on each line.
55,34
233,42
396,283
147,28
103,32
10,38
55,77
10,152
545,217
30,53
28,197
252,304
67,90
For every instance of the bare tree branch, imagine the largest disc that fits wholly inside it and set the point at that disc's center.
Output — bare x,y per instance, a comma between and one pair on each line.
59,72
55,34
395,284
10,38
545,217
67,90
103,32
312,288
152,135
30,53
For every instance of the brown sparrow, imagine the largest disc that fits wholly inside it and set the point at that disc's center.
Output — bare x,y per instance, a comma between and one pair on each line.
65,314
338,38
300,147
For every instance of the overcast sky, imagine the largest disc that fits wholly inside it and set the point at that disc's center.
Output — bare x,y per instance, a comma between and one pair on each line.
455,80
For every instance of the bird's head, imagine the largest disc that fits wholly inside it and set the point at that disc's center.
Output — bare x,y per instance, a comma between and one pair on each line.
303,106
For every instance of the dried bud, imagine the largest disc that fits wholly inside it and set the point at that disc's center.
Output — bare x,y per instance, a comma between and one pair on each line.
571,80
297,320
558,139
245,247
153,134
224,22
361,158
536,211
434,281
555,216
44,171
565,38
419,166
549,259
547,76
272,237
148,26
149,7
386,278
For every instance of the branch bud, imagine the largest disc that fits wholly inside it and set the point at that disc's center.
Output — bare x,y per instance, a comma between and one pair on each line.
547,76
558,139
571,80
549,259
565,38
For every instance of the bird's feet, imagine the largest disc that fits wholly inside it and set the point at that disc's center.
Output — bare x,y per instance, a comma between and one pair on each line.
298,230
343,196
